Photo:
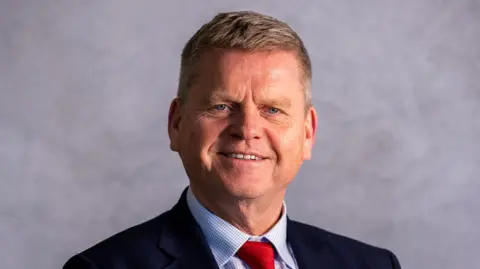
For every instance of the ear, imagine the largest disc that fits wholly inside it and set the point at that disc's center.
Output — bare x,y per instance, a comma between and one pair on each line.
310,131
174,118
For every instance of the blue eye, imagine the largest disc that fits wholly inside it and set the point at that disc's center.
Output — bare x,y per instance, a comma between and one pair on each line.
273,110
220,107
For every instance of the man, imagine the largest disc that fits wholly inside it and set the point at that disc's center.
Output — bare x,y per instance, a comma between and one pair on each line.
243,124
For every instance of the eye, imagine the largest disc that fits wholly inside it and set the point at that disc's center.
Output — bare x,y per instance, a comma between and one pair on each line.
220,107
273,110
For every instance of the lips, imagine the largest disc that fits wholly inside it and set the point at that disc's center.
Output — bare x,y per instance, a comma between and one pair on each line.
244,155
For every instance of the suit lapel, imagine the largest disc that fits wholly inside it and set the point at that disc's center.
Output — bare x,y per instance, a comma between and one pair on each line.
309,253
183,240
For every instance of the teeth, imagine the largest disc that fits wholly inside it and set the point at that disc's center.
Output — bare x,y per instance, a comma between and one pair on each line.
243,156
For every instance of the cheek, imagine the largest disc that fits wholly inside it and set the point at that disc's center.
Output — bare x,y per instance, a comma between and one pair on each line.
288,144
200,136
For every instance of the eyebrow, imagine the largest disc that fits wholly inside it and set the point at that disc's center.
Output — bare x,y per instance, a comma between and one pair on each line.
282,102
219,95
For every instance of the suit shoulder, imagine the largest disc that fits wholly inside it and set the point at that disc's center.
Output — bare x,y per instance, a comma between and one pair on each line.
332,238
124,247
140,234
347,248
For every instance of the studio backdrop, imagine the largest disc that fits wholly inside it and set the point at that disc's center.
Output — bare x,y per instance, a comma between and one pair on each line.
85,88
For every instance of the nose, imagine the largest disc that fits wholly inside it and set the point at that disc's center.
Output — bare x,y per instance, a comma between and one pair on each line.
246,124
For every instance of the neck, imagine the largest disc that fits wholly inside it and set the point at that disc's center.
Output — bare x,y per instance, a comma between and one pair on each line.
252,216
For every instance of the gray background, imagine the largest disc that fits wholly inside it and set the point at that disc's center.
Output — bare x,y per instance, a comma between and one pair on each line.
84,93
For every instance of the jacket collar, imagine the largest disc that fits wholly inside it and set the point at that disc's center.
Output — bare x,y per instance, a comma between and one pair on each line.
181,239
225,239
311,247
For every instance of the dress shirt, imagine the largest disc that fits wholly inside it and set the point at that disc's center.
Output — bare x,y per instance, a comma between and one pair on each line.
225,239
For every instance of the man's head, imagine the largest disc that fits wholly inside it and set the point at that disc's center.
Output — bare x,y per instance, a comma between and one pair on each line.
243,122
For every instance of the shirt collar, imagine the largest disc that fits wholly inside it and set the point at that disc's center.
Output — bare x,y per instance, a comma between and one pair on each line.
225,239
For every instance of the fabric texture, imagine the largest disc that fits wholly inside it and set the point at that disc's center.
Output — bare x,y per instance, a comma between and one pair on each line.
174,240
225,240
258,255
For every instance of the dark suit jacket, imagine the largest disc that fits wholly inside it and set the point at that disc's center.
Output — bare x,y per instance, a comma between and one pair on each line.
174,240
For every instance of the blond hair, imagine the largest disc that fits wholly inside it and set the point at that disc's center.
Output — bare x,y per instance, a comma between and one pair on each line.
245,30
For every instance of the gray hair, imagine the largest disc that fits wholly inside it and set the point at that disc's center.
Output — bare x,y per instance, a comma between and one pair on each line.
245,30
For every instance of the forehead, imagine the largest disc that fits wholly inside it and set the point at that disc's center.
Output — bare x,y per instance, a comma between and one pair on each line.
229,67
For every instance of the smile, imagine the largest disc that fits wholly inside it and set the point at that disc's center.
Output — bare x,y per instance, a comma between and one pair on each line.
243,156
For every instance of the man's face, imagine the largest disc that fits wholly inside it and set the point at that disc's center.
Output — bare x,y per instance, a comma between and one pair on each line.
243,131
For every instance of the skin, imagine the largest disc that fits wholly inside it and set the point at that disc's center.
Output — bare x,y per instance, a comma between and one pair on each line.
243,102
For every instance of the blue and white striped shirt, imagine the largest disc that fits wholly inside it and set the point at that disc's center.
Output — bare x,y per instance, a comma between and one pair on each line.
225,239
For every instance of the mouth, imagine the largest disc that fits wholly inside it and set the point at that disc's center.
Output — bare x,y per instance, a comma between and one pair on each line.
243,156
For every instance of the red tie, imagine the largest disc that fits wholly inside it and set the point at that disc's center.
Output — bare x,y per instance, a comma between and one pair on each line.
257,255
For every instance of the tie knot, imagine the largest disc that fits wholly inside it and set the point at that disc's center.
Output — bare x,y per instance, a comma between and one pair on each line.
257,255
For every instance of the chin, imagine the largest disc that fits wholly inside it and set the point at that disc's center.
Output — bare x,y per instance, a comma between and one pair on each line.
246,190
